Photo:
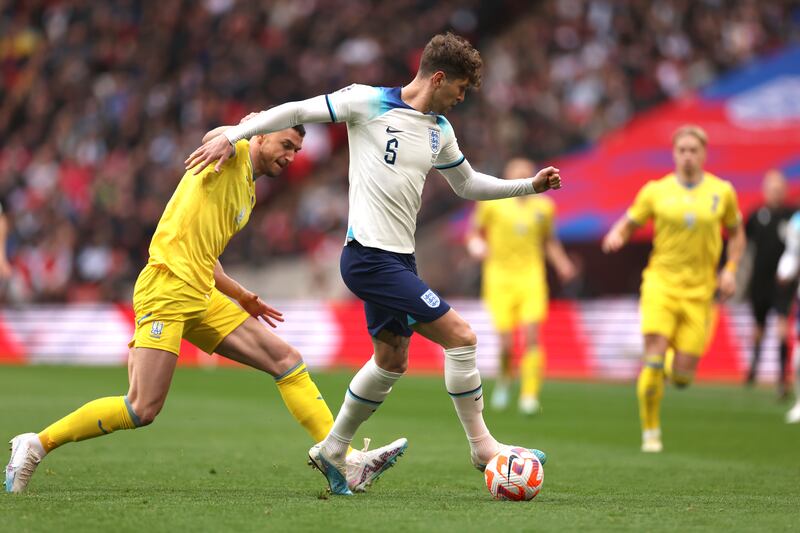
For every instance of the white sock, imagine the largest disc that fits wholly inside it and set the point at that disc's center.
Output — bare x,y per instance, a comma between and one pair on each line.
366,393
463,382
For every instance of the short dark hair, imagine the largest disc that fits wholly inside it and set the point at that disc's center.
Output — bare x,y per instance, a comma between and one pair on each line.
300,129
453,55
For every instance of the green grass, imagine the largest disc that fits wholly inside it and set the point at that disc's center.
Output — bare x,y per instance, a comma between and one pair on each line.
225,455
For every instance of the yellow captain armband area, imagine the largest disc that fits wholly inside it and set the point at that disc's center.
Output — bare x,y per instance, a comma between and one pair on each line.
731,267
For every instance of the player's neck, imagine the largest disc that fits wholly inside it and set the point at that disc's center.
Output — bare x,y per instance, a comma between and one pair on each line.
418,95
689,180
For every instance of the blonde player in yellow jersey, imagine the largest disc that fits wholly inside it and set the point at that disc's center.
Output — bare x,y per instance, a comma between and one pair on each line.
690,208
182,293
512,237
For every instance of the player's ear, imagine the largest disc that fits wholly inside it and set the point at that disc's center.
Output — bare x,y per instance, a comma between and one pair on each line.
438,78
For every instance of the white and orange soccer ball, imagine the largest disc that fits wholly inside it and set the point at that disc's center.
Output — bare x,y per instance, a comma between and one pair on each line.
514,474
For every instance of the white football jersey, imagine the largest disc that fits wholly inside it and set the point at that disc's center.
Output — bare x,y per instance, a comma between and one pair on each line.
392,149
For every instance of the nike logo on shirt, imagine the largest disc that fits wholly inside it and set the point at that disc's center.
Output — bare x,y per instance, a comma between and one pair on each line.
391,130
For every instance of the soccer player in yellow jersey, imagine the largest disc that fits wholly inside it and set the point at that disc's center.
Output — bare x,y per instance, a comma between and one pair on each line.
513,236
181,294
690,208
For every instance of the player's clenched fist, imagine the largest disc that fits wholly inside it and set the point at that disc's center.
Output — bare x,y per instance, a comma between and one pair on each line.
546,179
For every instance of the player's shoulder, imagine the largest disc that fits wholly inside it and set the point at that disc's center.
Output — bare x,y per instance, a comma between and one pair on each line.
795,220
359,88
444,125
719,183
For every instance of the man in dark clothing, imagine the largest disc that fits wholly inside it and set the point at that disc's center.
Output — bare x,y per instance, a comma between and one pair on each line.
766,231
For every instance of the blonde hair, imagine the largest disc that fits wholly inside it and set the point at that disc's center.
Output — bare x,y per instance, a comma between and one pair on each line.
691,129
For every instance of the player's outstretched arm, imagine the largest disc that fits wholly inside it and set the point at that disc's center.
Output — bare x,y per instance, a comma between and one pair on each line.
619,234
5,267
219,148
473,185
249,301
737,243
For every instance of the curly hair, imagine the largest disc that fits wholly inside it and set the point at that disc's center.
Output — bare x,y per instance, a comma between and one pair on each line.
454,56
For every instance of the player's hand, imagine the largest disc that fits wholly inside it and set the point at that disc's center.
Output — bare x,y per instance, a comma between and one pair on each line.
256,307
249,116
546,179
612,242
727,284
217,149
567,272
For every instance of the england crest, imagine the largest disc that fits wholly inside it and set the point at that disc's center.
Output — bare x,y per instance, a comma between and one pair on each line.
430,299
435,139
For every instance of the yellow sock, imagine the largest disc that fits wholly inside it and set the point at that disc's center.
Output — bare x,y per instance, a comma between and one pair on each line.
304,401
531,369
650,391
669,359
96,418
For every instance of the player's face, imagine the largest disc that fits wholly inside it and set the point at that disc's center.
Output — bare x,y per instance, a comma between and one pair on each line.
277,150
689,154
447,93
774,189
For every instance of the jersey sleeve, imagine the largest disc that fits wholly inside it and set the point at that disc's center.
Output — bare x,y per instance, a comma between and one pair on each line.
449,155
642,209
353,104
731,217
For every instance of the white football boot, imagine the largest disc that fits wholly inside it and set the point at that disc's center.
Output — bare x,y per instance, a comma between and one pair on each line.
26,454
793,416
334,471
364,467
651,441
480,465
529,405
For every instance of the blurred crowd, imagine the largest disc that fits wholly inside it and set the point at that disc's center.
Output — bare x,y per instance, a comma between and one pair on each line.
100,102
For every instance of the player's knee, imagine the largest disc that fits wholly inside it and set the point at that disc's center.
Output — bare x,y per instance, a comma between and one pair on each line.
463,336
146,414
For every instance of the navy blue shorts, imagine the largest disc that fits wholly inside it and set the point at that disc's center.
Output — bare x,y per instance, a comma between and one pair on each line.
394,296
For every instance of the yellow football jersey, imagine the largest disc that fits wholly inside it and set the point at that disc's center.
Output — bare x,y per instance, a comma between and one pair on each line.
516,230
688,232
205,211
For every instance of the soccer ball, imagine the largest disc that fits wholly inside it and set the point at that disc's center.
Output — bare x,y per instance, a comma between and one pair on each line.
514,474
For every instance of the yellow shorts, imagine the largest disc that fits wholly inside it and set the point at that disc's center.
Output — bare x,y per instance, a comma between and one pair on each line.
168,310
686,323
513,305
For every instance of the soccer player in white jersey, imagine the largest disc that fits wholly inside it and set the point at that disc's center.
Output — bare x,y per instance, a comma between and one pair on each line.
396,136
788,269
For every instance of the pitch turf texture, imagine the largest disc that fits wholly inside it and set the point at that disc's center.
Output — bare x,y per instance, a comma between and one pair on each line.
225,455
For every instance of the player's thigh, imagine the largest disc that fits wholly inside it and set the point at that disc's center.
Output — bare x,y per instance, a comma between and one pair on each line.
150,375
221,318
693,331
252,344
659,313
391,351
232,333
503,305
533,309
449,331
163,305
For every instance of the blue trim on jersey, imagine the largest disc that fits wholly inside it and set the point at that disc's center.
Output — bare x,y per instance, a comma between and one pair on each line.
390,99
351,236
330,108
450,165
443,124
410,320
463,394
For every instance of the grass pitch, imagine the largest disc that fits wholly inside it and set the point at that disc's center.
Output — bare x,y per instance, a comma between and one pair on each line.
225,455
